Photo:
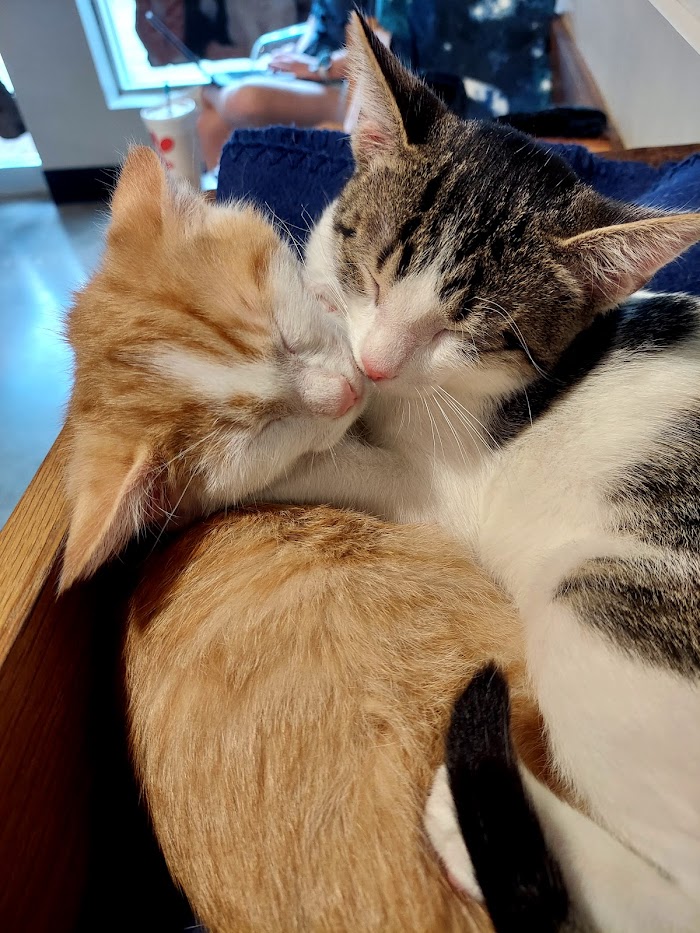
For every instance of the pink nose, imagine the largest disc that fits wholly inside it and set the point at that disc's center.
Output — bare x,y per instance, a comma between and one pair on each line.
347,400
376,373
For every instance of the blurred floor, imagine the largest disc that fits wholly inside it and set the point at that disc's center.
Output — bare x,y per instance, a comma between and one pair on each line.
45,253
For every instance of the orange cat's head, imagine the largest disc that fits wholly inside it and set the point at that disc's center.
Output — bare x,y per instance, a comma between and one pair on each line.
203,369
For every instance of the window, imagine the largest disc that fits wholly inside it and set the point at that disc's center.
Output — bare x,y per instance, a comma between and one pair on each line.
122,60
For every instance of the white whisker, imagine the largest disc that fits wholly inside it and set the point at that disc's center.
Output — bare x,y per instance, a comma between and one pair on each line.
298,246
431,398
460,446
182,453
470,415
492,305
471,429
432,429
170,515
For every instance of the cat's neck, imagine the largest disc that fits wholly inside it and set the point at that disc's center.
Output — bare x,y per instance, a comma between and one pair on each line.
452,419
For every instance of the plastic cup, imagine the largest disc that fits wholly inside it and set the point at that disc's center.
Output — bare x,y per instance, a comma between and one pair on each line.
173,130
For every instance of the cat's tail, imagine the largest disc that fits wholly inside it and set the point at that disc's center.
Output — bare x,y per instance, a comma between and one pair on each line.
519,878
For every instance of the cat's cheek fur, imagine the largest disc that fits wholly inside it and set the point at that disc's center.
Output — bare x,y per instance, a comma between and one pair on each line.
253,465
219,382
320,256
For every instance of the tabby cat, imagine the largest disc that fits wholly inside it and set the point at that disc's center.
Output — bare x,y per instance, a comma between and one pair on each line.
532,404
290,672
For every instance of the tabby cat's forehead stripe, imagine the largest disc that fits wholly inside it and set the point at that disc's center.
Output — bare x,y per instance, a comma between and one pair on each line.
216,381
435,231
469,287
403,240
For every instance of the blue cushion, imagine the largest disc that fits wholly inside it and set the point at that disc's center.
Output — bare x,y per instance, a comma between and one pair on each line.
293,174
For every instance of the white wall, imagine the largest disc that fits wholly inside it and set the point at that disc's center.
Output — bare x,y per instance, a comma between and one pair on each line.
647,73
47,56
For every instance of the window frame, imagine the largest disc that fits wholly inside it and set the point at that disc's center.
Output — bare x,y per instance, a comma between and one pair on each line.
120,90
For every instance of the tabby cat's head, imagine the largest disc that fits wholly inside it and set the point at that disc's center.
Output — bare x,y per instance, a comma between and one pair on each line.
203,368
466,243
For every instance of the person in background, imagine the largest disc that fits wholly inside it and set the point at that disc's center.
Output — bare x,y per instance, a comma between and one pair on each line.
213,29
316,97
485,58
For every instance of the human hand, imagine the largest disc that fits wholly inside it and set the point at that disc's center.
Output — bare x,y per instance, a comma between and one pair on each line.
306,66
296,63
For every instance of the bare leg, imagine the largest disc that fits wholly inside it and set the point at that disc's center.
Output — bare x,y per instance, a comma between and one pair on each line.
264,101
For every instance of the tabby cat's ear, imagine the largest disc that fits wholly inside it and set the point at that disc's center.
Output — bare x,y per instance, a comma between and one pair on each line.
141,193
110,494
613,262
395,108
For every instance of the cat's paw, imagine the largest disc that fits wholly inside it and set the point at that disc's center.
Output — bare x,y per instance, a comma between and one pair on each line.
443,830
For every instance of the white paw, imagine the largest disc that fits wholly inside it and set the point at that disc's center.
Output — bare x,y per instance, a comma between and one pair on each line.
441,824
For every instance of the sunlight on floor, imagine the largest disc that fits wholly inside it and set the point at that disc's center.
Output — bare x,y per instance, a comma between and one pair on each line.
49,253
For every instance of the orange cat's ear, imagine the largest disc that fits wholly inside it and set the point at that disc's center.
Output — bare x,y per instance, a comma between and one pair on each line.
141,192
613,262
109,492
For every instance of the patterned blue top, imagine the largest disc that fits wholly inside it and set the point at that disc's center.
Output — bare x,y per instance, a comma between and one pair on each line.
500,46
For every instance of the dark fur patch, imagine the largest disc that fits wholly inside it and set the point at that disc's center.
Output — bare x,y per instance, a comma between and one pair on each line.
471,290
405,259
456,286
384,254
344,231
431,191
659,500
519,878
586,352
657,322
650,607
642,325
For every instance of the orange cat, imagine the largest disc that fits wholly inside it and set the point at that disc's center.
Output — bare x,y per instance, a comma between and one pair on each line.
290,671
203,369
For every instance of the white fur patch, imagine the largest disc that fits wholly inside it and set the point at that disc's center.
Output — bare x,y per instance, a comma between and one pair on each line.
216,381
443,830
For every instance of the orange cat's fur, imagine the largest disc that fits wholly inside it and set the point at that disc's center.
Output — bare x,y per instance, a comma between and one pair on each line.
290,672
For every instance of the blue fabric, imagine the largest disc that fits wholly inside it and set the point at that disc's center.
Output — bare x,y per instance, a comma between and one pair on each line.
294,174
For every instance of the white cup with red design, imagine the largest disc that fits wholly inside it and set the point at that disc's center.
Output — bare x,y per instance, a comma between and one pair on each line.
173,130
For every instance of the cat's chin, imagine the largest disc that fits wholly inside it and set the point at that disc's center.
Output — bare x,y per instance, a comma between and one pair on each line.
336,430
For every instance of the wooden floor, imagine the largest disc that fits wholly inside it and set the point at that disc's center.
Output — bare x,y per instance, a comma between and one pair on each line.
45,253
